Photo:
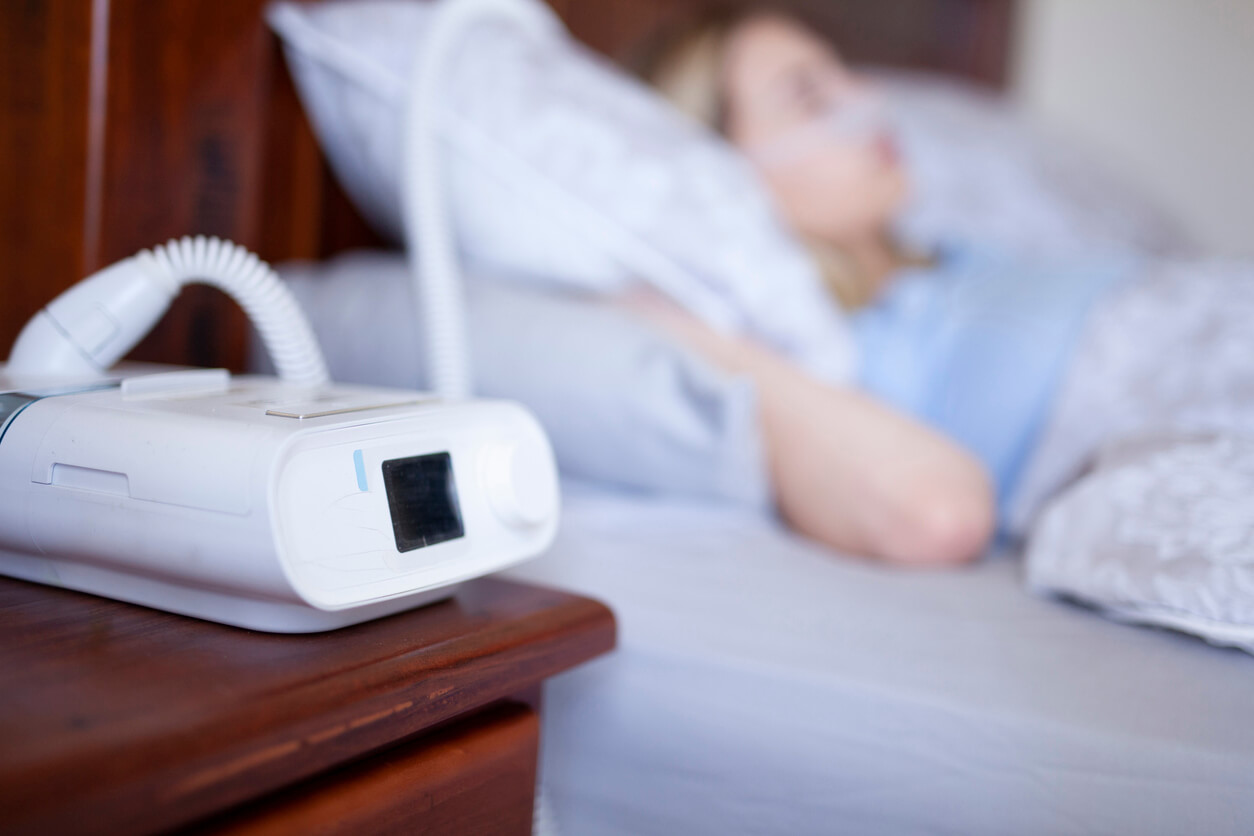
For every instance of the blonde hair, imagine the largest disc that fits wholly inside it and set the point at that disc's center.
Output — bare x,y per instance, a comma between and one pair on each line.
685,62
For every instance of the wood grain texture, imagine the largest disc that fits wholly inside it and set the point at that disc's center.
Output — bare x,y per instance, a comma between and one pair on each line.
183,147
475,778
44,85
116,718
970,39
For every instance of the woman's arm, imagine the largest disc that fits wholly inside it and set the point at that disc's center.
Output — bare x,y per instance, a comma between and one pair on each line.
847,470
852,473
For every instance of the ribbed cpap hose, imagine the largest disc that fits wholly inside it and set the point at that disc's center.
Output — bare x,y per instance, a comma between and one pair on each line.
256,288
431,241
91,326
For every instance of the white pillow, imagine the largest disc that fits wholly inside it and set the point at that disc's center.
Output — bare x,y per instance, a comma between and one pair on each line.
981,171
562,170
622,404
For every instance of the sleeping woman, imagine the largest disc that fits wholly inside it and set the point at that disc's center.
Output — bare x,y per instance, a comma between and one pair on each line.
986,381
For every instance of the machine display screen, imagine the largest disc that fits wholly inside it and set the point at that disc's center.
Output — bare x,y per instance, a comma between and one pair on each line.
422,497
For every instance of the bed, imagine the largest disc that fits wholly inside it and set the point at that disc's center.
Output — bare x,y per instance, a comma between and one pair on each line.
762,684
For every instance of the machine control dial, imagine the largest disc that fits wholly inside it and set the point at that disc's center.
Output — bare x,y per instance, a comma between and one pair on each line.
520,482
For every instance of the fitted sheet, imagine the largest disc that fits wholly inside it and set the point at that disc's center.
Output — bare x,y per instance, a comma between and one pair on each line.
764,685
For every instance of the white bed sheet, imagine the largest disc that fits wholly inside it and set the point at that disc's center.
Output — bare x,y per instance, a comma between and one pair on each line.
763,685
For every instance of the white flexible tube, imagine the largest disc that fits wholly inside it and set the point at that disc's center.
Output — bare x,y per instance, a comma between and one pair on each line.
95,323
428,234
256,288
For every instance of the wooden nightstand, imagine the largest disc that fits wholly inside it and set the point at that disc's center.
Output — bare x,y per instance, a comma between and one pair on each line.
120,719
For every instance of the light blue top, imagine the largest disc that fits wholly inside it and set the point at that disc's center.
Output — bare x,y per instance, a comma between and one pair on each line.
976,345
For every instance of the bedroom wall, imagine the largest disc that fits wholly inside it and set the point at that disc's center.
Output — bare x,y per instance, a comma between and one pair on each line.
1162,89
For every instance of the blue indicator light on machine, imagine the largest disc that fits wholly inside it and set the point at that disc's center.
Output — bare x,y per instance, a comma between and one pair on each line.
360,464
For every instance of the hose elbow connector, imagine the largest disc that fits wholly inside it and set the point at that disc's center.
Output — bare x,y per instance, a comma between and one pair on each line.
95,323
92,325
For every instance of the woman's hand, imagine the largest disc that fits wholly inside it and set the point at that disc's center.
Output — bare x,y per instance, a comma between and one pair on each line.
847,470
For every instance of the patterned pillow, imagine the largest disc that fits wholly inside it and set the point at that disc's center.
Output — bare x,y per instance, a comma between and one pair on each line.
1162,533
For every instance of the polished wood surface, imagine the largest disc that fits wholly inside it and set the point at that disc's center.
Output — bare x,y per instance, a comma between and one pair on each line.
476,778
116,718
124,123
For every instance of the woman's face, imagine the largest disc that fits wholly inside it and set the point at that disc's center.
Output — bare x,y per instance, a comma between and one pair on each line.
814,130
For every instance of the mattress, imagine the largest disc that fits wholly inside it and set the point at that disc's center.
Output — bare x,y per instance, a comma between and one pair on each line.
764,685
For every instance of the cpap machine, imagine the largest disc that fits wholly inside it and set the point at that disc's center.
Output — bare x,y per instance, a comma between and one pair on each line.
286,504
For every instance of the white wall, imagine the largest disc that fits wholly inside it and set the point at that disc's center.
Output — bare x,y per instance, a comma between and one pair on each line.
1163,89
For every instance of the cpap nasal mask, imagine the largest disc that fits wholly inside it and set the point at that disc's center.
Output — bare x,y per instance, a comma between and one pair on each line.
853,119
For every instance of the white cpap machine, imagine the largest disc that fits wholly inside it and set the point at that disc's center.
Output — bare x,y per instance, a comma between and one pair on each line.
286,504
261,503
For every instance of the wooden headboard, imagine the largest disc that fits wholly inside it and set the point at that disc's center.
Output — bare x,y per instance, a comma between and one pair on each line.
124,123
